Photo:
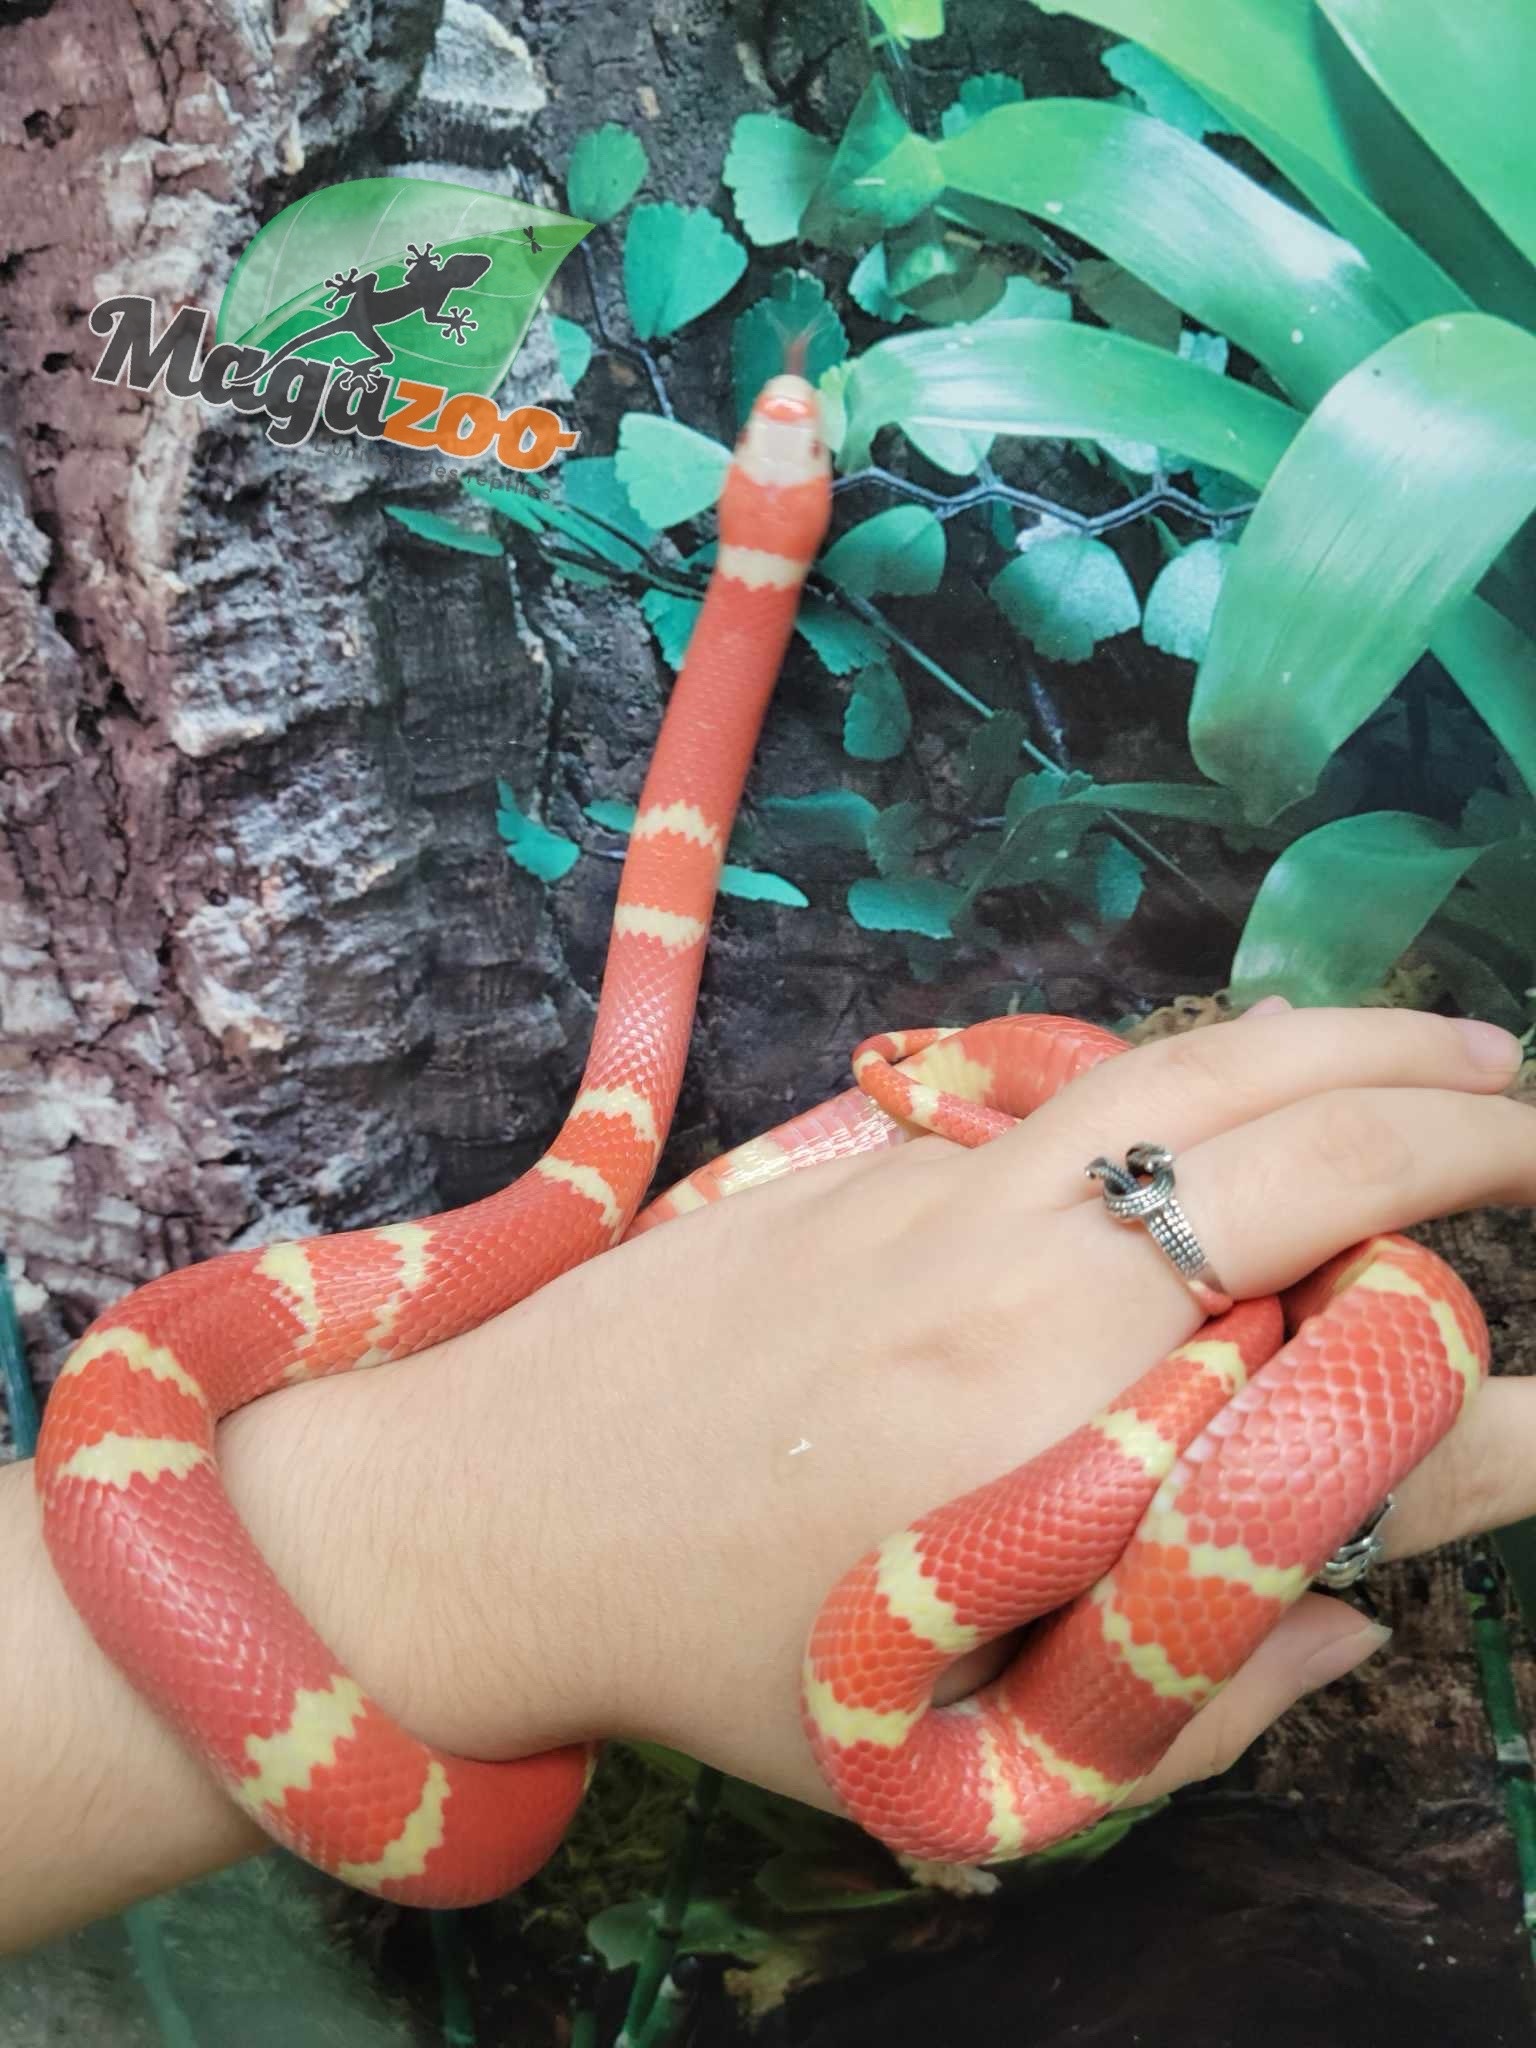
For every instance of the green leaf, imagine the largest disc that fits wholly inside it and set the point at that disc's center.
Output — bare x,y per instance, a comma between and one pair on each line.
801,1881
1118,879
882,176
1305,937
431,526
754,885
542,515
877,723
1182,602
593,484
904,903
829,817
279,289
608,167
672,619
573,347
1274,82
615,816
1425,458
1052,378
895,836
772,168
899,551
1201,804
1066,595
979,96
868,287
671,472
1162,92
1125,303
678,262
841,643
1023,299
1493,664
911,21
536,849
991,759
621,1934
1204,236
795,310
1466,81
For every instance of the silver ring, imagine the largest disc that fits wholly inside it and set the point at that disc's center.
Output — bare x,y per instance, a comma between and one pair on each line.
1141,1191
1352,1560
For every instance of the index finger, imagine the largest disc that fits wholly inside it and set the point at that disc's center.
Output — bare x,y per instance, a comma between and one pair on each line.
1181,1090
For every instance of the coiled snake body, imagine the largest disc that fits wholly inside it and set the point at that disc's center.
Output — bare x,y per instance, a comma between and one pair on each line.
1165,1537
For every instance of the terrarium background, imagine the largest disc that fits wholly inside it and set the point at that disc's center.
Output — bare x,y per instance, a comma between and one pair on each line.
268,968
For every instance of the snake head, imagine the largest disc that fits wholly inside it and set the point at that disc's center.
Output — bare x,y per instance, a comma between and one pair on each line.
782,442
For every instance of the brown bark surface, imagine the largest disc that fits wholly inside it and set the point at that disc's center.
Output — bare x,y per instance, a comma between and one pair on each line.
265,968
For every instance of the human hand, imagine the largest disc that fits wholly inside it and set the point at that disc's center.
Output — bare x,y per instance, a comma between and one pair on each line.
669,1456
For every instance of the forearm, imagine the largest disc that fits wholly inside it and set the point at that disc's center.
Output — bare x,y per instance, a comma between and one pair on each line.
384,1503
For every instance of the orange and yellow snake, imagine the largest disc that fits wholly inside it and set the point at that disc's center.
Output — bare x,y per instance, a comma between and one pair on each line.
1164,1538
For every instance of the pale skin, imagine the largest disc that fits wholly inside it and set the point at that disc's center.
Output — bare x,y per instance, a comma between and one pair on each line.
615,1510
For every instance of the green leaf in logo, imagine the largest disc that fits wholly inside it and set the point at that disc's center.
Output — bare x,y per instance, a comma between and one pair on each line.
393,242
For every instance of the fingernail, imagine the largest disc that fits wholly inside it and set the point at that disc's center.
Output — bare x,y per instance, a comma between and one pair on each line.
1489,1045
1344,1653
1267,1006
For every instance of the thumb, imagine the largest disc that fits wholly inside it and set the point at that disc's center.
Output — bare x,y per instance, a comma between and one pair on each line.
1319,1640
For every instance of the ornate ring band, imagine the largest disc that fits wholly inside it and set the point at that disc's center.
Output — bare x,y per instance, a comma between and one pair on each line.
1141,1191
1352,1560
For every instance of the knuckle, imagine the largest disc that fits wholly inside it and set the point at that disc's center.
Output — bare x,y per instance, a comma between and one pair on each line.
1194,1057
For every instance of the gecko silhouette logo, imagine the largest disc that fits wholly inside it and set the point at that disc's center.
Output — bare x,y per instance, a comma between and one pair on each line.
386,308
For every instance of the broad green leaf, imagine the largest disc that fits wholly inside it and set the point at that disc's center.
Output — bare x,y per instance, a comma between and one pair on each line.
991,758
904,903
895,836
593,485
615,816
280,288
1201,804
899,551
608,167
1162,92
1381,518
877,723
882,176
534,848
432,526
1118,880
941,277
841,643
869,289
1023,299
672,619
794,314
541,515
1493,664
1466,81
1198,232
621,1934
1066,595
1306,938
979,96
772,169
756,885
1270,84
911,21
573,346
1051,378
829,817
1182,602
1126,304
678,262
671,472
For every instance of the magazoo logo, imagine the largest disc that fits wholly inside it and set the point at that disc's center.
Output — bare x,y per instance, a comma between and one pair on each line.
408,350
